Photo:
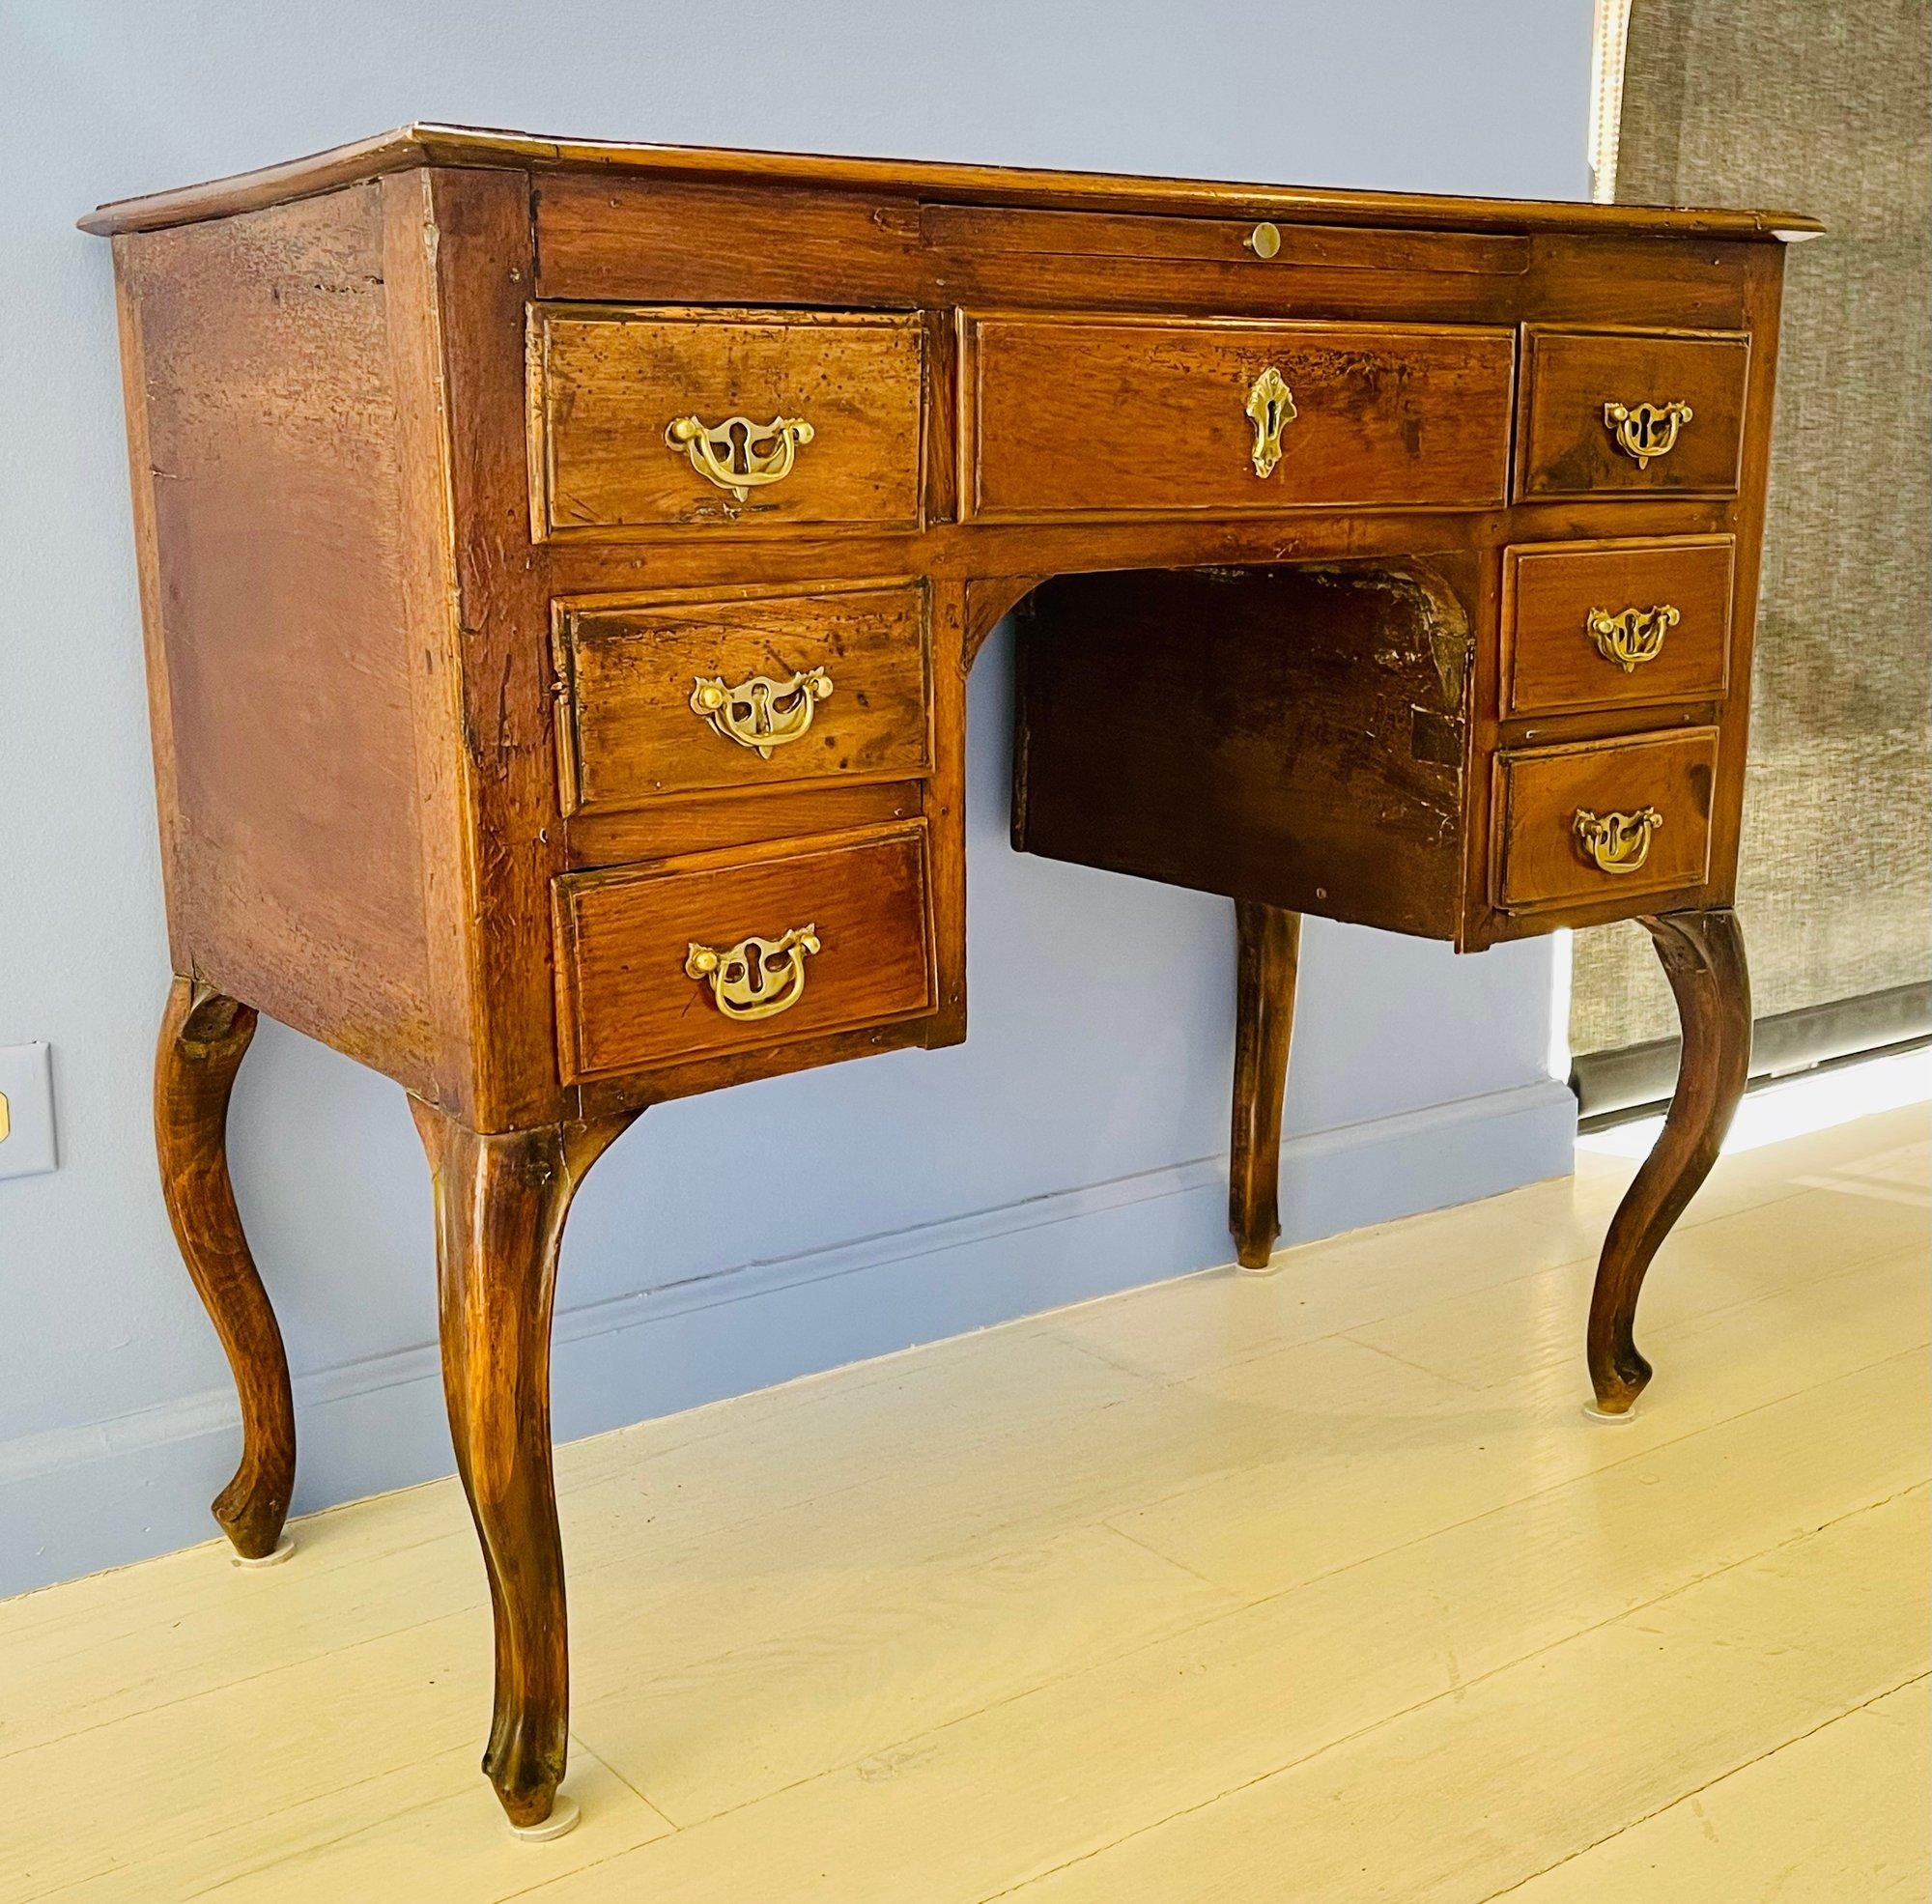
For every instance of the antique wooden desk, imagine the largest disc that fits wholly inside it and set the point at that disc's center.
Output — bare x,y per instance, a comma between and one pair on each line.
561,566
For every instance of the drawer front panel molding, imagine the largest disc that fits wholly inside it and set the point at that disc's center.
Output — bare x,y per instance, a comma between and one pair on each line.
1631,412
749,692
1122,415
1616,624
1631,814
633,990
645,419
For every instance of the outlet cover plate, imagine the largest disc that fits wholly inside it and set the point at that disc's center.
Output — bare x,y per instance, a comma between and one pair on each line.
27,1083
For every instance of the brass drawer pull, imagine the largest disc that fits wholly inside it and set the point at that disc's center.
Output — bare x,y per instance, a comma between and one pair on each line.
757,978
1634,635
1264,240
729,453
1618,842
762,713
1645,429
1270,408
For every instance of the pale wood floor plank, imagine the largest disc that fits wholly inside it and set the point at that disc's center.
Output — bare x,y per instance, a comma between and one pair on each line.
1838,1817
944,1623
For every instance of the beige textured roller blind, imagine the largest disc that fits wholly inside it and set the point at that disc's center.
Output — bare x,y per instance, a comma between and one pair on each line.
1826,108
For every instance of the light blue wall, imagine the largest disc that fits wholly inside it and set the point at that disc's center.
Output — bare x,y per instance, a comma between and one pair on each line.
1075,1144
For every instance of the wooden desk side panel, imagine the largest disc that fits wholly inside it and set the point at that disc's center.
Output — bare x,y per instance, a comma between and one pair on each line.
267,478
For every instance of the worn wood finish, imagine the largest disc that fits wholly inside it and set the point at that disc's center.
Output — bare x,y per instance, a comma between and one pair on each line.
629,668
1540,862
1552,664
623,936
1091,416
427,593
1565,448
1268,951
500,1204
203,1038
606,383
1703,956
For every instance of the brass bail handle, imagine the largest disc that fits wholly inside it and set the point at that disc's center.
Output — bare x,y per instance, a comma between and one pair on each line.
757,978
1633,636
1645,429
1617,842
762,713
737,454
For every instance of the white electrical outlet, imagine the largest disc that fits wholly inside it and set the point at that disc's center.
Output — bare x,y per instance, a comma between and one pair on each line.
26,1110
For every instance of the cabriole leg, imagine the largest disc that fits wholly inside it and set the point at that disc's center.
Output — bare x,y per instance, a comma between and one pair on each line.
500,1204
1268,944
203,1038
1703,954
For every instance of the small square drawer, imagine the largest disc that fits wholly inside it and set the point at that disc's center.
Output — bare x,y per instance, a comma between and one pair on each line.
723,951
1600,820
1631,412
694,695
645,418
1616,624
1164,416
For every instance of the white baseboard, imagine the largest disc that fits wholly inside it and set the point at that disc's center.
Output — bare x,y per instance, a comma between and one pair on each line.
76,1500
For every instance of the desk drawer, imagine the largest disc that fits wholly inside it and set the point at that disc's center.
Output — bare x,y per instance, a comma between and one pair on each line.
723,953
1603,819
1631,412
1616,624
647,418
1122,416
682,696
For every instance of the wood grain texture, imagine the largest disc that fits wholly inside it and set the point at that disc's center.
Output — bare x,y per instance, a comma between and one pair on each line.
1092,415
1220,731
203,1039
500,1204
1564,447
1551,663
1703,956
629,670
1540,863
1268,951
606,383
623,935
271,484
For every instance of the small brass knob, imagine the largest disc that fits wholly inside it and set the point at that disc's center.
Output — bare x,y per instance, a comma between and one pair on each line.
1264,240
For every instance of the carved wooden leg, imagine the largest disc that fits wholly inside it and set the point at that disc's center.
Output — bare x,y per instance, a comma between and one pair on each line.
1268,944
1703,954
500,1204
203,1036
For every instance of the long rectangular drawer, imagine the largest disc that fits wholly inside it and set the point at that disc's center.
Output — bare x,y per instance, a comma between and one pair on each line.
752,691
1631,412
649,418
725,951
1616,624
1603,819
1140,416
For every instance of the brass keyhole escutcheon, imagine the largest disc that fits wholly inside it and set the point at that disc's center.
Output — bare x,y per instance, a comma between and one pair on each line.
757,978
739,455
762,713
1617,842
1271,409
1645,429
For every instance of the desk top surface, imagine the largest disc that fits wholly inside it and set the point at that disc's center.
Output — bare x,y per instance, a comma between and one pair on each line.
417,145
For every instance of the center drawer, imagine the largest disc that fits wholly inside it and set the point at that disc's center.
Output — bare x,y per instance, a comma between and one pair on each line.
692,695
720,952
1125,415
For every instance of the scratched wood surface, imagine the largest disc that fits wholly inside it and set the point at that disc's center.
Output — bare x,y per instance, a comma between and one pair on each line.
1321,1571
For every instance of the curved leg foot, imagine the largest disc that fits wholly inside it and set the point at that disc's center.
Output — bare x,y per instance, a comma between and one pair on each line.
500,1204
204,1039
1268,945
1703,956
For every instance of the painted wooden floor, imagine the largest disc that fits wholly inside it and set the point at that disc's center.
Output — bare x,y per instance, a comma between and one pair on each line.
1310,1586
